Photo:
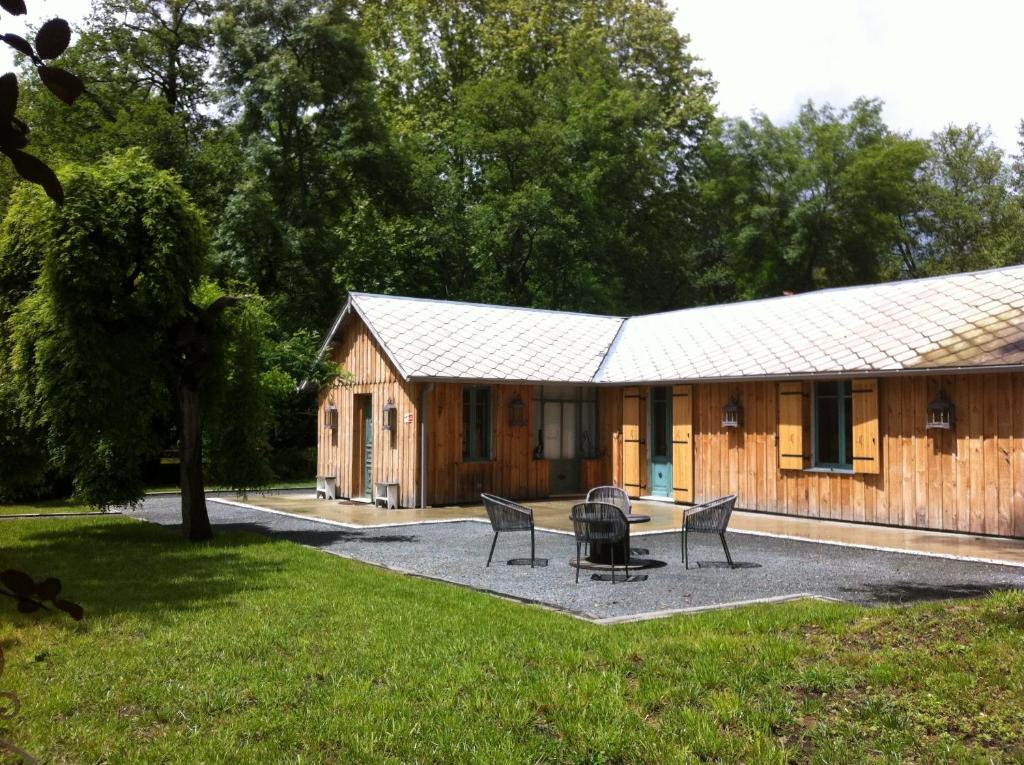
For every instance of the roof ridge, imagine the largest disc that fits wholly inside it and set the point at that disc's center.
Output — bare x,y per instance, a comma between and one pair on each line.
558,311
833,290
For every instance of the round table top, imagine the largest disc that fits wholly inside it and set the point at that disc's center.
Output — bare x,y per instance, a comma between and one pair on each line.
637,518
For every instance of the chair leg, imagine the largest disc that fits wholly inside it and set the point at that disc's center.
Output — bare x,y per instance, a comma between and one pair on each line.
726,548
492,549
533,547
613,562
577,563
686,550
627,563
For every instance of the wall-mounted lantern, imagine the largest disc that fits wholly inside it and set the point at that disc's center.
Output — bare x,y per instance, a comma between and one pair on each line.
390,420
732,414
331,417
941,414
517,412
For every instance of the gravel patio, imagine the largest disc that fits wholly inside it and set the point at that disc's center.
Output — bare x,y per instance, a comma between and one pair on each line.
770,568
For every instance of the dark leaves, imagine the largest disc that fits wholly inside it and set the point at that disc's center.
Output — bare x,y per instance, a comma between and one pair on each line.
31,595
66,86
19,43
27,606
13,7
48,589
73,610
53,38
34,170
18,582
8,97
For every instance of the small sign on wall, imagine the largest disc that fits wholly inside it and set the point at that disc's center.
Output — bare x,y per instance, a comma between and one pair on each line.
407,418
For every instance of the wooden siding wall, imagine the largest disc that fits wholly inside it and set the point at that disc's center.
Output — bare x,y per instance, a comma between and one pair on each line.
395,453
970,479
513,472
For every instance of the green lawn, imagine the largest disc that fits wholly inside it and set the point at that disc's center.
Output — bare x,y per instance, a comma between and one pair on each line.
306,483
45,506
247,650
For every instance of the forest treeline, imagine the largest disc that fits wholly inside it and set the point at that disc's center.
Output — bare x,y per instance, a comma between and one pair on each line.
554,154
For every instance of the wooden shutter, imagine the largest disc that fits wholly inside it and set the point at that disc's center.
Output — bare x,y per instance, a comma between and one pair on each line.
865,426
791,426
631,442
682,442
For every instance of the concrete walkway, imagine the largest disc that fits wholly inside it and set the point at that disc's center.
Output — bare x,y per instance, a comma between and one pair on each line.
771,568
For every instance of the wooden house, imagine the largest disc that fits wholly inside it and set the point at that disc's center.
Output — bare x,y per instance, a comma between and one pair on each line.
899,404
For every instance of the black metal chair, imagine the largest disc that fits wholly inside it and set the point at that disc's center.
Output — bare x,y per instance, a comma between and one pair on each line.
611,495
600,523
506,515
709,518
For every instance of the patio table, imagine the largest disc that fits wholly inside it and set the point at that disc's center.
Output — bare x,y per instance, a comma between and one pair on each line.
601,553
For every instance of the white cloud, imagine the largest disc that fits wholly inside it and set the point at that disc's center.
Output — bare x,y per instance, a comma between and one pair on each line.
933,62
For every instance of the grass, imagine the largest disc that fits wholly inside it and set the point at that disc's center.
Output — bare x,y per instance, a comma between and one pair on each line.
305,483
248,650
45,506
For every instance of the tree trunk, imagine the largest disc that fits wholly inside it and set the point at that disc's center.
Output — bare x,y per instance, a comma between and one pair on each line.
194,516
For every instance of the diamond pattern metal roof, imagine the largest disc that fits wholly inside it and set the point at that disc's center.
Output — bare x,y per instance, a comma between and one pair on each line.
963,320
941,323
449,340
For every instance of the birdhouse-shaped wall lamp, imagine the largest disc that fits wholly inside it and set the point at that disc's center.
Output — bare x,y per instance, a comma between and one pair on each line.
732,414
941,414
390,419
517,412
331,417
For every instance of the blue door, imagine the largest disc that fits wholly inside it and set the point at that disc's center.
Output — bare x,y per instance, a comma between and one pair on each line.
661,442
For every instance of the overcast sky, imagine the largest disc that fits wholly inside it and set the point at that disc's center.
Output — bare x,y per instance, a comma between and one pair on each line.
933,62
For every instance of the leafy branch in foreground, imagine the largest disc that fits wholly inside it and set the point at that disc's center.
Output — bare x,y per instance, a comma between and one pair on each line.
51,41
31,596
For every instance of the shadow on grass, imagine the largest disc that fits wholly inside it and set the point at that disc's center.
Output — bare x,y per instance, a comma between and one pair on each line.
113,566
912,592
319,537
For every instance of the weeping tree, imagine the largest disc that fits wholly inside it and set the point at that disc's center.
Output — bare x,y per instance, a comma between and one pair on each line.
113,336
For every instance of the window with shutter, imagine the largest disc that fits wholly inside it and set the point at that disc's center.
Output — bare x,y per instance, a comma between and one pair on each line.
791,426
866,452
682,443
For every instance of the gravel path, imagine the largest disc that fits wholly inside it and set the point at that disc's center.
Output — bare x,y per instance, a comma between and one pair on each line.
774,568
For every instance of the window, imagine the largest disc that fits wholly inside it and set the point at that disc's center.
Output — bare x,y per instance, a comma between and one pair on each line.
476,424
833,425
566,422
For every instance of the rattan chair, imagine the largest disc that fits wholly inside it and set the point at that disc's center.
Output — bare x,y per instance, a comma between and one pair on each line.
710,518
600,523
506,515
611,495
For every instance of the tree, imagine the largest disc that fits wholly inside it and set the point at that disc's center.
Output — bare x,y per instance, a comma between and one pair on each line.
159,47
112,338
552,148
968,216
302,105
815,203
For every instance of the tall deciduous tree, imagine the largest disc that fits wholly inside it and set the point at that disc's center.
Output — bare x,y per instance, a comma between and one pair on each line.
302,104
968,216
815,203
552,147
109,341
